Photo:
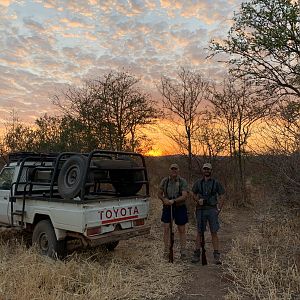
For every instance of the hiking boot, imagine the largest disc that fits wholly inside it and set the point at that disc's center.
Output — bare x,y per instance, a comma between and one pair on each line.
217,257
183,254
196,256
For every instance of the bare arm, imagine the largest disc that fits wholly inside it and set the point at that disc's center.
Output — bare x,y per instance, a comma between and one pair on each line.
197,200
221,201
163,199
195,197
181,198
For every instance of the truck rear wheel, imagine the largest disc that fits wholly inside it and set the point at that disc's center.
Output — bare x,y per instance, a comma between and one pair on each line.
70,178
44,238
111,246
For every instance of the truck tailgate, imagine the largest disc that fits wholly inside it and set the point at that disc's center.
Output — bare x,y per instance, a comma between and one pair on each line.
110,213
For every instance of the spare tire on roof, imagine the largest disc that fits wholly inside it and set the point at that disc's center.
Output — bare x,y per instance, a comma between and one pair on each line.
126,181
71,176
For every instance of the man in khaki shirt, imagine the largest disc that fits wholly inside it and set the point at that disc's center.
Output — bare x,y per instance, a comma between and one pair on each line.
173,193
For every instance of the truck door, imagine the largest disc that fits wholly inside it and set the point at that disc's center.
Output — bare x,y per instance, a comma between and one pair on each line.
6,177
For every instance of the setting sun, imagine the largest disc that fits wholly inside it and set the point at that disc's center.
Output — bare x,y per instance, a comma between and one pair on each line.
154,152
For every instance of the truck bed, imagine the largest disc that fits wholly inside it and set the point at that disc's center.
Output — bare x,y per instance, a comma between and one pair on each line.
80,216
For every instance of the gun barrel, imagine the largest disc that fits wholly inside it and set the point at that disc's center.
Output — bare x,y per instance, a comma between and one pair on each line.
203,257
171,253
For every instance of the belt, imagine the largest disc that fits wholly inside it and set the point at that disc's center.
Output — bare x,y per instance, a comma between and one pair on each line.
176,204
205,207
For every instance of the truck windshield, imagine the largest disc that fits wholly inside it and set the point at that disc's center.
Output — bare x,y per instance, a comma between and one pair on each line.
6,178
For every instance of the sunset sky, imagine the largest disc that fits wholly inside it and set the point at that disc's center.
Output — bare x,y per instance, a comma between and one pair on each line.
46,45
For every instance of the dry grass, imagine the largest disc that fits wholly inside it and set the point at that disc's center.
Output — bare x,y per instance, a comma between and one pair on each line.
264,264
135,270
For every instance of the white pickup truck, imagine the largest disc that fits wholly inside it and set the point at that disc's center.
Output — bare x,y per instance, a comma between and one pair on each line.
97,198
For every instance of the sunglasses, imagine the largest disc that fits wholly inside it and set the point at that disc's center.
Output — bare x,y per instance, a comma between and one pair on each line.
206,169
174,169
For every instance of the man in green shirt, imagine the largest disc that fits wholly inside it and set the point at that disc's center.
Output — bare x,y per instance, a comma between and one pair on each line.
173,193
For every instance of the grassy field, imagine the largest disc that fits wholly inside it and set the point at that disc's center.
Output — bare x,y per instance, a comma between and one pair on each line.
135,270
261,264
265,263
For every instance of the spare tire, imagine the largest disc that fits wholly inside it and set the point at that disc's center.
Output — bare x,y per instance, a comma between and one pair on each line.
125,181
71,176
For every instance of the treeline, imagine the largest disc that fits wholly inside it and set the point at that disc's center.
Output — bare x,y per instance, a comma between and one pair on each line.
104,113
211,119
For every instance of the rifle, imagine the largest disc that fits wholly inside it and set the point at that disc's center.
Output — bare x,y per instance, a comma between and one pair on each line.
203,254
171,253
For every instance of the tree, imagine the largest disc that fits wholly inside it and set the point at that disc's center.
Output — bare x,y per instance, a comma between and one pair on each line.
48,134
211,137
58,133
126,108
182,98
17,137
282,150
264,45
83,115
238,106
108,111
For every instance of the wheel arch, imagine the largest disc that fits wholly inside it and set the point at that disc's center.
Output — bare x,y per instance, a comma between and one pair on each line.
40,217
60,233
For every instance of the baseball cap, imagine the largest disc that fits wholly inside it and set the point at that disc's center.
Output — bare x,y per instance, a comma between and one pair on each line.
174,166
207,165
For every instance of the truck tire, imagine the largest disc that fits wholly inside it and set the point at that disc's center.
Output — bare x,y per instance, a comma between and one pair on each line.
125,181
111,246
44,238
70,178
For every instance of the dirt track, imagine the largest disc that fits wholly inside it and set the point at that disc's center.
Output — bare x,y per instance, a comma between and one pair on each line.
209,282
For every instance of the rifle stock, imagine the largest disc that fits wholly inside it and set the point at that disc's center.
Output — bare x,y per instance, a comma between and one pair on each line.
171,252
203,251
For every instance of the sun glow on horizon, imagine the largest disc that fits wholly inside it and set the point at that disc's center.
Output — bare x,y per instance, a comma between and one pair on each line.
154,152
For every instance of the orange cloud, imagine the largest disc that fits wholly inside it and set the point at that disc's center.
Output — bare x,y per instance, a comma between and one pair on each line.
75,24
23,64
5,3
169,3
70,35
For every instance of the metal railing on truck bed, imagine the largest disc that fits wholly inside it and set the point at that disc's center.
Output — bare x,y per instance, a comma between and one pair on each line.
72,176
84,175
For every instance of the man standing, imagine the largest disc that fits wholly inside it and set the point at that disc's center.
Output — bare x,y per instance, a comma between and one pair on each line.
208,206
172,193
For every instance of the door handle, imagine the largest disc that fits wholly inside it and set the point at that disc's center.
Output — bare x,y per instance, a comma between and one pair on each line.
5,198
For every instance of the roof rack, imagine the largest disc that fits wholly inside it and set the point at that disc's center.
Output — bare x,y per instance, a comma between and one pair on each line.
17,156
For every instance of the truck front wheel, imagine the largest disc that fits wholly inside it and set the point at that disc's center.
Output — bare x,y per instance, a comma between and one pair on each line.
45,240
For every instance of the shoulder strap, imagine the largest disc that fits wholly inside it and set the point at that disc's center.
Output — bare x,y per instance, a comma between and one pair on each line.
180,185
212,188
166,186
202,187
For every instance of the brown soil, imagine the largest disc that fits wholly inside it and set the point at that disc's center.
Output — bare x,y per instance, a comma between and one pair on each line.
210,282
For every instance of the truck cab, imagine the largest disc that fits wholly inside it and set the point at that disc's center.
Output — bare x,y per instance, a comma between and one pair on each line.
6,179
